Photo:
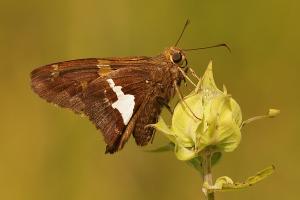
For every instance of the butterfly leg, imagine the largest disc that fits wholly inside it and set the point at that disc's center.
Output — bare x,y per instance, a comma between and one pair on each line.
194,74
183,101
186,77
163,102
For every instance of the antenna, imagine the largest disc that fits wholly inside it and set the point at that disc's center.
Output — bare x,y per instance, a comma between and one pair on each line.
185,25
208,47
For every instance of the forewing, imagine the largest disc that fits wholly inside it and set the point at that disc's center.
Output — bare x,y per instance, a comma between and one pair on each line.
85,86
64,83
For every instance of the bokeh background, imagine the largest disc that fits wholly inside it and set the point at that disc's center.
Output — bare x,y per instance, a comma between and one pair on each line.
49,153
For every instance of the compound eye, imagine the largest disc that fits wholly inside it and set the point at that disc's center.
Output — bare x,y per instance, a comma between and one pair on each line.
177,57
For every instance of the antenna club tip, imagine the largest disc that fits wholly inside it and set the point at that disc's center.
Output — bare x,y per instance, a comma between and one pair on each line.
227,47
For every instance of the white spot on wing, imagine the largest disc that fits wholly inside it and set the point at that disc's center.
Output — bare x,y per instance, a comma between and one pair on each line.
124,104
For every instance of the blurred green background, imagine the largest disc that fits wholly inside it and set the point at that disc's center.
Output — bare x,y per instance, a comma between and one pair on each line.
49,153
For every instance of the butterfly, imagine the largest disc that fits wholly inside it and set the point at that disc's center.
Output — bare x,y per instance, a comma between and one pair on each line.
120,95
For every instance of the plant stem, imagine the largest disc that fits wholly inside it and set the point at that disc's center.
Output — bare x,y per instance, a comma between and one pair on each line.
207,173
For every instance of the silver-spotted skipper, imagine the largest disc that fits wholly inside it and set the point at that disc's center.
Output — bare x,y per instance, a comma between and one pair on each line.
119,95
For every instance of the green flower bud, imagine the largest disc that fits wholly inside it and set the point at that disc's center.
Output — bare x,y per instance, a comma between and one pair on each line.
217,124
216,120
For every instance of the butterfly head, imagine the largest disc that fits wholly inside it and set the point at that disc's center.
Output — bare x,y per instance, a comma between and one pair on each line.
177,57
178,64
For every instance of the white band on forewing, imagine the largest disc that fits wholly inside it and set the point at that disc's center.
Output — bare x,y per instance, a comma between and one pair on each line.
124,104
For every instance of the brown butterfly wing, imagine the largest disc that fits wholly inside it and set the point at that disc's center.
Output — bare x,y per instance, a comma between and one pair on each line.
64,83
101,97
82,86
148,115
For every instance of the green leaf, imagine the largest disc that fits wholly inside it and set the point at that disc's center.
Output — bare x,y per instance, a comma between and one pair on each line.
184,123
183,153
196,163
225,183
216,157
164,128
207,83
219,127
